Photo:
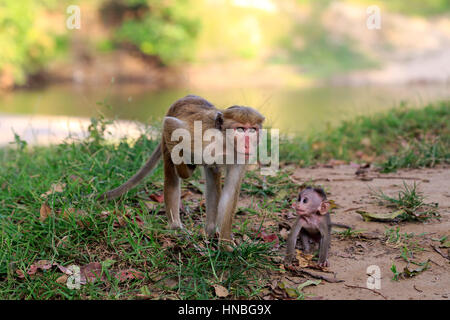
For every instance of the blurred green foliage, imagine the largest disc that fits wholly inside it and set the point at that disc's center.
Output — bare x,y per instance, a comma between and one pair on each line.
181,30
24,41
160,28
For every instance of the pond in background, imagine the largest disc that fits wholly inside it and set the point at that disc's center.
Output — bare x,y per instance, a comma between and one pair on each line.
292,111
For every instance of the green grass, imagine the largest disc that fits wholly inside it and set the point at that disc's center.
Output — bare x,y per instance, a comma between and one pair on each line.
399,138
411,202
173,266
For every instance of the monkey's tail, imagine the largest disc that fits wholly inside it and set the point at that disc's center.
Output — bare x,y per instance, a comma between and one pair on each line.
134,180
340,225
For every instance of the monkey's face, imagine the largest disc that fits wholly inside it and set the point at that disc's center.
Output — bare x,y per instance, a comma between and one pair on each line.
309,202
245,138
242,125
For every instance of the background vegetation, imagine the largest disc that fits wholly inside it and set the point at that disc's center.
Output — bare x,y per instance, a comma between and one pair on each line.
33,33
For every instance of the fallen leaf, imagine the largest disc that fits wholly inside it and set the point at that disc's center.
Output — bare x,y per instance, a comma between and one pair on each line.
284,234
91,272
44,212
390,216
151,205
186,194
272,237
62,279
221,291
44,264
129,274
157,197
304,260
75,178
56,187
287,287
308,283
445,244
32,270
411,273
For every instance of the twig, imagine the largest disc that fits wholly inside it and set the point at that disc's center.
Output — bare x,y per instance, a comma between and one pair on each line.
440,252
358,287
317,276
398,178
352,209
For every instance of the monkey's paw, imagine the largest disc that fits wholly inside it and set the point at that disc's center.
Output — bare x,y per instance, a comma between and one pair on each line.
288,259
324,264
176,226
227,245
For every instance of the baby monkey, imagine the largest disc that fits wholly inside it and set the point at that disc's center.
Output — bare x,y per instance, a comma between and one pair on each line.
313,223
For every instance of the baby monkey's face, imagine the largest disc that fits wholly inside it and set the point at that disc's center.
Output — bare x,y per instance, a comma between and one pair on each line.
310,202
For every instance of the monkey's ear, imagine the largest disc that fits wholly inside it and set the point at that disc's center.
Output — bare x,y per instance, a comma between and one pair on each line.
219,120
324,207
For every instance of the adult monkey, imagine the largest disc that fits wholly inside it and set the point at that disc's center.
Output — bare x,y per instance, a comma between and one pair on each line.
220,204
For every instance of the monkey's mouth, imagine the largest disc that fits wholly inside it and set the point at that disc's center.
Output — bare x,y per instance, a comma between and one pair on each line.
300,212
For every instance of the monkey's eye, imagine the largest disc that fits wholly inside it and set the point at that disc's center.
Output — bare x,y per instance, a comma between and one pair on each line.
240,129
305,200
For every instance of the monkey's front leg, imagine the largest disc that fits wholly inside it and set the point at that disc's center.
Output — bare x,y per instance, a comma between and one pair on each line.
292,240
228,201
172,193
323,250
213,190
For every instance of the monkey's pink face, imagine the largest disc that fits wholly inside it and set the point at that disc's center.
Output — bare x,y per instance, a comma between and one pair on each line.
246,138
308,202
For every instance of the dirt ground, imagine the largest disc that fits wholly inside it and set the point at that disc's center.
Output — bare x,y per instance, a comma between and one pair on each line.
349,258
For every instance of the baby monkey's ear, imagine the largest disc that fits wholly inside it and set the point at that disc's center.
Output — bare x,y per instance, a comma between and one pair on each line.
324,207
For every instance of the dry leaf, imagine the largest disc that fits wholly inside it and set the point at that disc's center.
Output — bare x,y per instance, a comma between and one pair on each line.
62,279
157,197
75,178
221,291
151,205
44,264
44,212
284,234
390,216
128,274
304,260
272,237
91,272
56,187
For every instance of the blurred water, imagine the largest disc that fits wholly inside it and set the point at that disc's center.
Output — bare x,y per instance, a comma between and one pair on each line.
50,115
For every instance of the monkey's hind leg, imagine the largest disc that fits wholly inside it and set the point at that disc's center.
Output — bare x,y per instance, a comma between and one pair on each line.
213,191
171,193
